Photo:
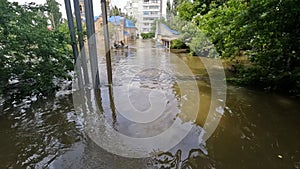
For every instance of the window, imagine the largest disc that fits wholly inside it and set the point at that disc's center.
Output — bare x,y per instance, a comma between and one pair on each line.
153,7
148,19
153,13
154,1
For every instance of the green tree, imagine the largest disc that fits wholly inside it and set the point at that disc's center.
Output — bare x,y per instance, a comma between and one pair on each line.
266,32
175,4
115,11
30,53
188,9
271,31
147,35
169,11
54,13
132,18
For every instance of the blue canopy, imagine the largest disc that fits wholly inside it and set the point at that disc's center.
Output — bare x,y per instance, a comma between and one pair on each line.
96,17
129,23
116,21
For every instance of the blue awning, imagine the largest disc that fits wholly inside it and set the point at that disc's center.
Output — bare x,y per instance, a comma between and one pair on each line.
116,20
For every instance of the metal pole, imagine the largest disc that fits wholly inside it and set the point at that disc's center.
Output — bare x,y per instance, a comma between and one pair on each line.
80,39
92,15
92,42
106,41
73,39
71,28
112,106
160,18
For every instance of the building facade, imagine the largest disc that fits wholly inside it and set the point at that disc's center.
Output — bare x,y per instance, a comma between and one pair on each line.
146,12
124,29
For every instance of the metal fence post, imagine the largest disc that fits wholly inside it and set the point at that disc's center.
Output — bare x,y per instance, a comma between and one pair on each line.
92,42
106,42
81,42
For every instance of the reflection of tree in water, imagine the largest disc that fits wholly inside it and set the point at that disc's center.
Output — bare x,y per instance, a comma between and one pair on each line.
39,133
195,160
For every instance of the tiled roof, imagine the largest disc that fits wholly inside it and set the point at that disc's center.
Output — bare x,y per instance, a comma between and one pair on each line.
171,30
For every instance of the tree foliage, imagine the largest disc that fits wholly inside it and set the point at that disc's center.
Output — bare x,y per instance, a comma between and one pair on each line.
132,18
188,9
54,13
147,35
267,32
115,11
30,54
169,10
178,44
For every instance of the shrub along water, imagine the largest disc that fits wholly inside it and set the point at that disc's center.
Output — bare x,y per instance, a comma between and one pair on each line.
266,32
147,35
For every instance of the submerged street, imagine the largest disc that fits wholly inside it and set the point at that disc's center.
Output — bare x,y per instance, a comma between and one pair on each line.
256,129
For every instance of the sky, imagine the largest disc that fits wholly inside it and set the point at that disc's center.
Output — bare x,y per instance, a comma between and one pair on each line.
96,5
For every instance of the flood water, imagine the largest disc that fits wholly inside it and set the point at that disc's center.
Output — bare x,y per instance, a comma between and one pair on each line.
256,129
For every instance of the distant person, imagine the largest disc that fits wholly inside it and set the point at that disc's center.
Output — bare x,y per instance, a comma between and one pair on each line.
115,44
122,44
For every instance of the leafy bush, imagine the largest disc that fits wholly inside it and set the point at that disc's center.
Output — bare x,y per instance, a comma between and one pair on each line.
30,53
267,32
147,35
178,44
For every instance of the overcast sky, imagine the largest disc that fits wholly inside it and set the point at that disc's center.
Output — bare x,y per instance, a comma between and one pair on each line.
96,4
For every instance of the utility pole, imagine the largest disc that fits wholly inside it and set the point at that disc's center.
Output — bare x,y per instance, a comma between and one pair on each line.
73,39
81,43
106,42
92,42
71,28
160,17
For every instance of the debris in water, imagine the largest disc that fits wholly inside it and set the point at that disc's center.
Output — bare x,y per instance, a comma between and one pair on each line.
228,109
280,156
220,110
220,100
34,98
203,149
184,97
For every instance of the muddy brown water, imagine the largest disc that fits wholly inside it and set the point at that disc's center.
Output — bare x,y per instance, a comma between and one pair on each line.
257,129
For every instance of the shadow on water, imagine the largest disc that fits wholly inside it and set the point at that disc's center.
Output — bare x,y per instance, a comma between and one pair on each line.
257,130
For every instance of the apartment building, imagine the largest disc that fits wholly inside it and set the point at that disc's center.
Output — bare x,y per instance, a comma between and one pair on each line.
145,11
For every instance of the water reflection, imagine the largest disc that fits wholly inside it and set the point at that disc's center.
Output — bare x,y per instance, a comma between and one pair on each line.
37,136
195,159
257,129
144,103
